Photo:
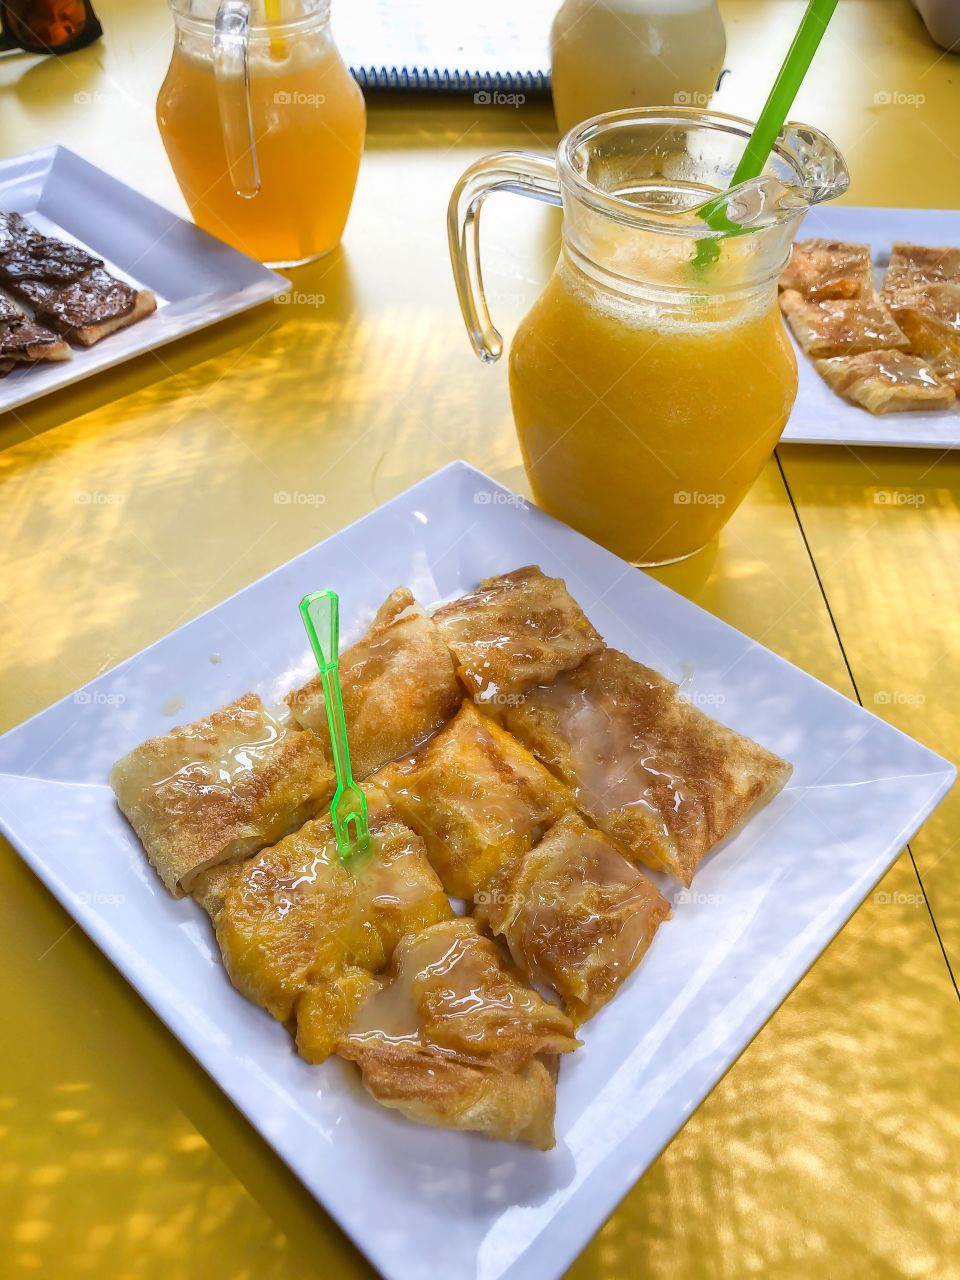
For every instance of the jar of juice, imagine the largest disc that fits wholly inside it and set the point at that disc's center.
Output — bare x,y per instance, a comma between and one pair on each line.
653,376
263,125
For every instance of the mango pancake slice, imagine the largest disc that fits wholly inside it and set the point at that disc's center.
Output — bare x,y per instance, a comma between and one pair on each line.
477,798
575,913
219,789
887,381
841,326
452,1038
514,631
929,314
664,781
399,686
828,269
298,917
931,264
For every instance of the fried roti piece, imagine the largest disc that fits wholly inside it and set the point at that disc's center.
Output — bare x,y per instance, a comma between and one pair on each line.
220,789
301,930
445,1092
914,274
453,1039
325,1010
477,798
829,269
399,686
504,834
946,368
841,326
515,631
886,381
924,263
575,913
660,778
209,888
929,315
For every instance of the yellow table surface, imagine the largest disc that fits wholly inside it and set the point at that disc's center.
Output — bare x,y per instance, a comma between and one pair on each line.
831,1148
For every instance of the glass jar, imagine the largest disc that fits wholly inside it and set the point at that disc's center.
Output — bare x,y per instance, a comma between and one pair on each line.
653,376
263,125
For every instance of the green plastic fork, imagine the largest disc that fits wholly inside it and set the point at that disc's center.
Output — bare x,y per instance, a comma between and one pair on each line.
348,809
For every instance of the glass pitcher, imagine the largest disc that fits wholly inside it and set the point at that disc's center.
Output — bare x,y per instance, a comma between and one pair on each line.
653,376
263,125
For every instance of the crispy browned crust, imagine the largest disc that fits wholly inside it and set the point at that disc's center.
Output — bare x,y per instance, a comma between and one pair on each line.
514,631
575,913
829,269
946,369
435,1089
209,888
927,263
189,817
477,798
838,326
453,1038
888,381
929,314
399,686
29,345
660,778
297,915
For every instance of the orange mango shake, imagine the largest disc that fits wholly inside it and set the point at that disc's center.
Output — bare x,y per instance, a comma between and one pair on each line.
645,429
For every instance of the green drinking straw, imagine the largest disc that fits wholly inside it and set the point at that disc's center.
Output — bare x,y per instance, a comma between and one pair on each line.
771,120
348,809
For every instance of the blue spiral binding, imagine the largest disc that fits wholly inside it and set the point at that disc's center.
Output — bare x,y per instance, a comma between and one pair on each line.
423,79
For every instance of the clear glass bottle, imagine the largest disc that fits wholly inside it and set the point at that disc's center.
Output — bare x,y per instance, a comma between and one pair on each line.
610,55
263,124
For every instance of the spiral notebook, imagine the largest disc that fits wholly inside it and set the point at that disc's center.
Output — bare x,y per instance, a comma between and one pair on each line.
484,46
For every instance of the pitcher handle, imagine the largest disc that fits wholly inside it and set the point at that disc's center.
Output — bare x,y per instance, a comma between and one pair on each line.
231,69
517,171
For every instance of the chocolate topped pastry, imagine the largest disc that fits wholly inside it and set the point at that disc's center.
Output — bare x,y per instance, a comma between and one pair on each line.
23,341
25,254
93,299
68,288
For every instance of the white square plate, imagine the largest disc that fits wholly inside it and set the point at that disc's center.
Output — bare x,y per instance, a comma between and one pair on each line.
197,279
423,1203
820,416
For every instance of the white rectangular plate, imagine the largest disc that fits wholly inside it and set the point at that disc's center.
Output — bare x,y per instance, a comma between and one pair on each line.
423,1203
820,416
197,279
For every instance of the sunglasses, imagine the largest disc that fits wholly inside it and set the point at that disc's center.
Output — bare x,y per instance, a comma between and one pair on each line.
48,26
